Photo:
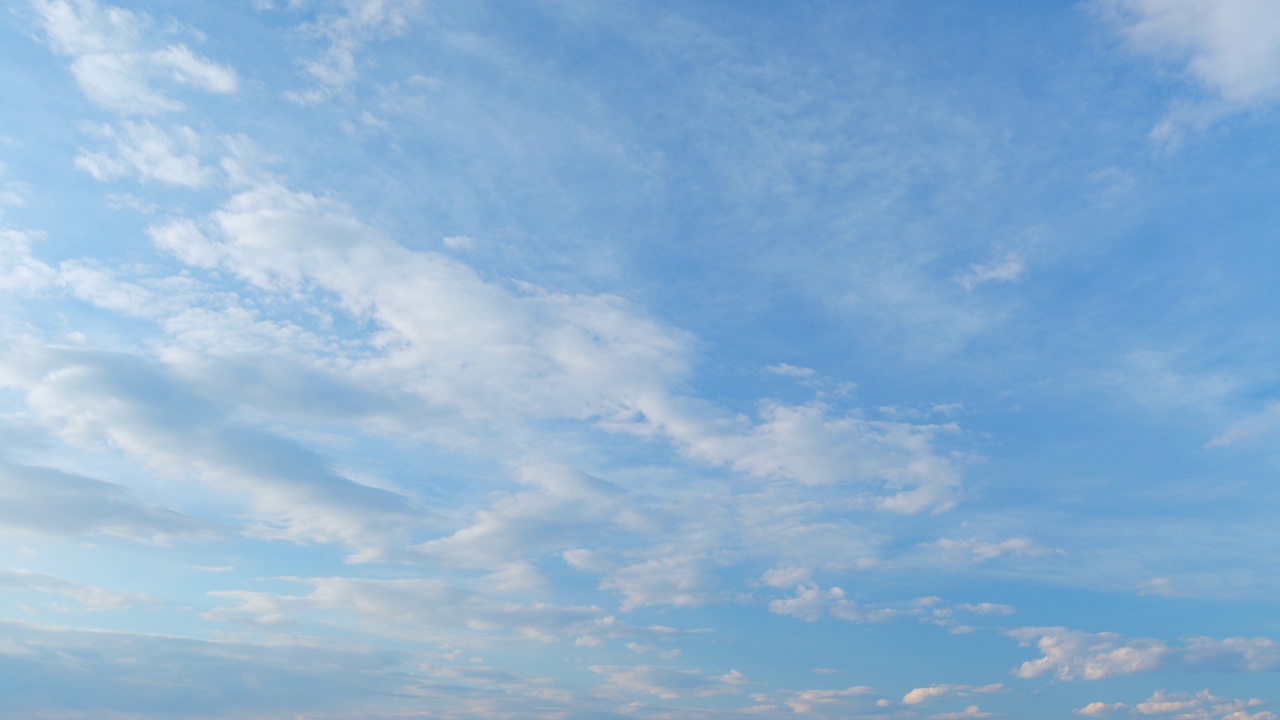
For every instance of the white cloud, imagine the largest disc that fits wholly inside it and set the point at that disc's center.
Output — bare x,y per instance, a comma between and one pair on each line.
346,32
147,411
806,701
1098,709
793,371
1201,706
980,550
149,153
935,692
973,711
114,64
987,608
812,602
20,272
1072,654
1006,269
679,580
785,576
428,609
1237,654
562,509
663,682
1231,47
499,355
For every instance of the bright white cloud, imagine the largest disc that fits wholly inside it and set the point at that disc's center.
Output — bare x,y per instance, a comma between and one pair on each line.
115,64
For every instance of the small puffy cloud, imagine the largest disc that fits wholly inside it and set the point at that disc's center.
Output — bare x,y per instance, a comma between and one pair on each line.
458,242
981,550
806,701
973,711
1160,586
1072,654
811,602
934,692
1098,709
1005,269
793,371
785,576
115,65
987,608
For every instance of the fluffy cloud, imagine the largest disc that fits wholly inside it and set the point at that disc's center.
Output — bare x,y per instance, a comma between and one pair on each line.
497,355
149,153
1072,654
1237,654
1006,269
935,692
19,271
1232,47
980,550
114,64
1201,706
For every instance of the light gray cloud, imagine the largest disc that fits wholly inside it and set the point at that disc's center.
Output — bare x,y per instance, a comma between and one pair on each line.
50,502
88,597
144,409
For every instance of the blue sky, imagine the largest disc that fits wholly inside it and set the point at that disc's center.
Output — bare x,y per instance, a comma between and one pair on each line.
724,360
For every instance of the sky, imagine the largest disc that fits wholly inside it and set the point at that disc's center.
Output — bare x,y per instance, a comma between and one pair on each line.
390,359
